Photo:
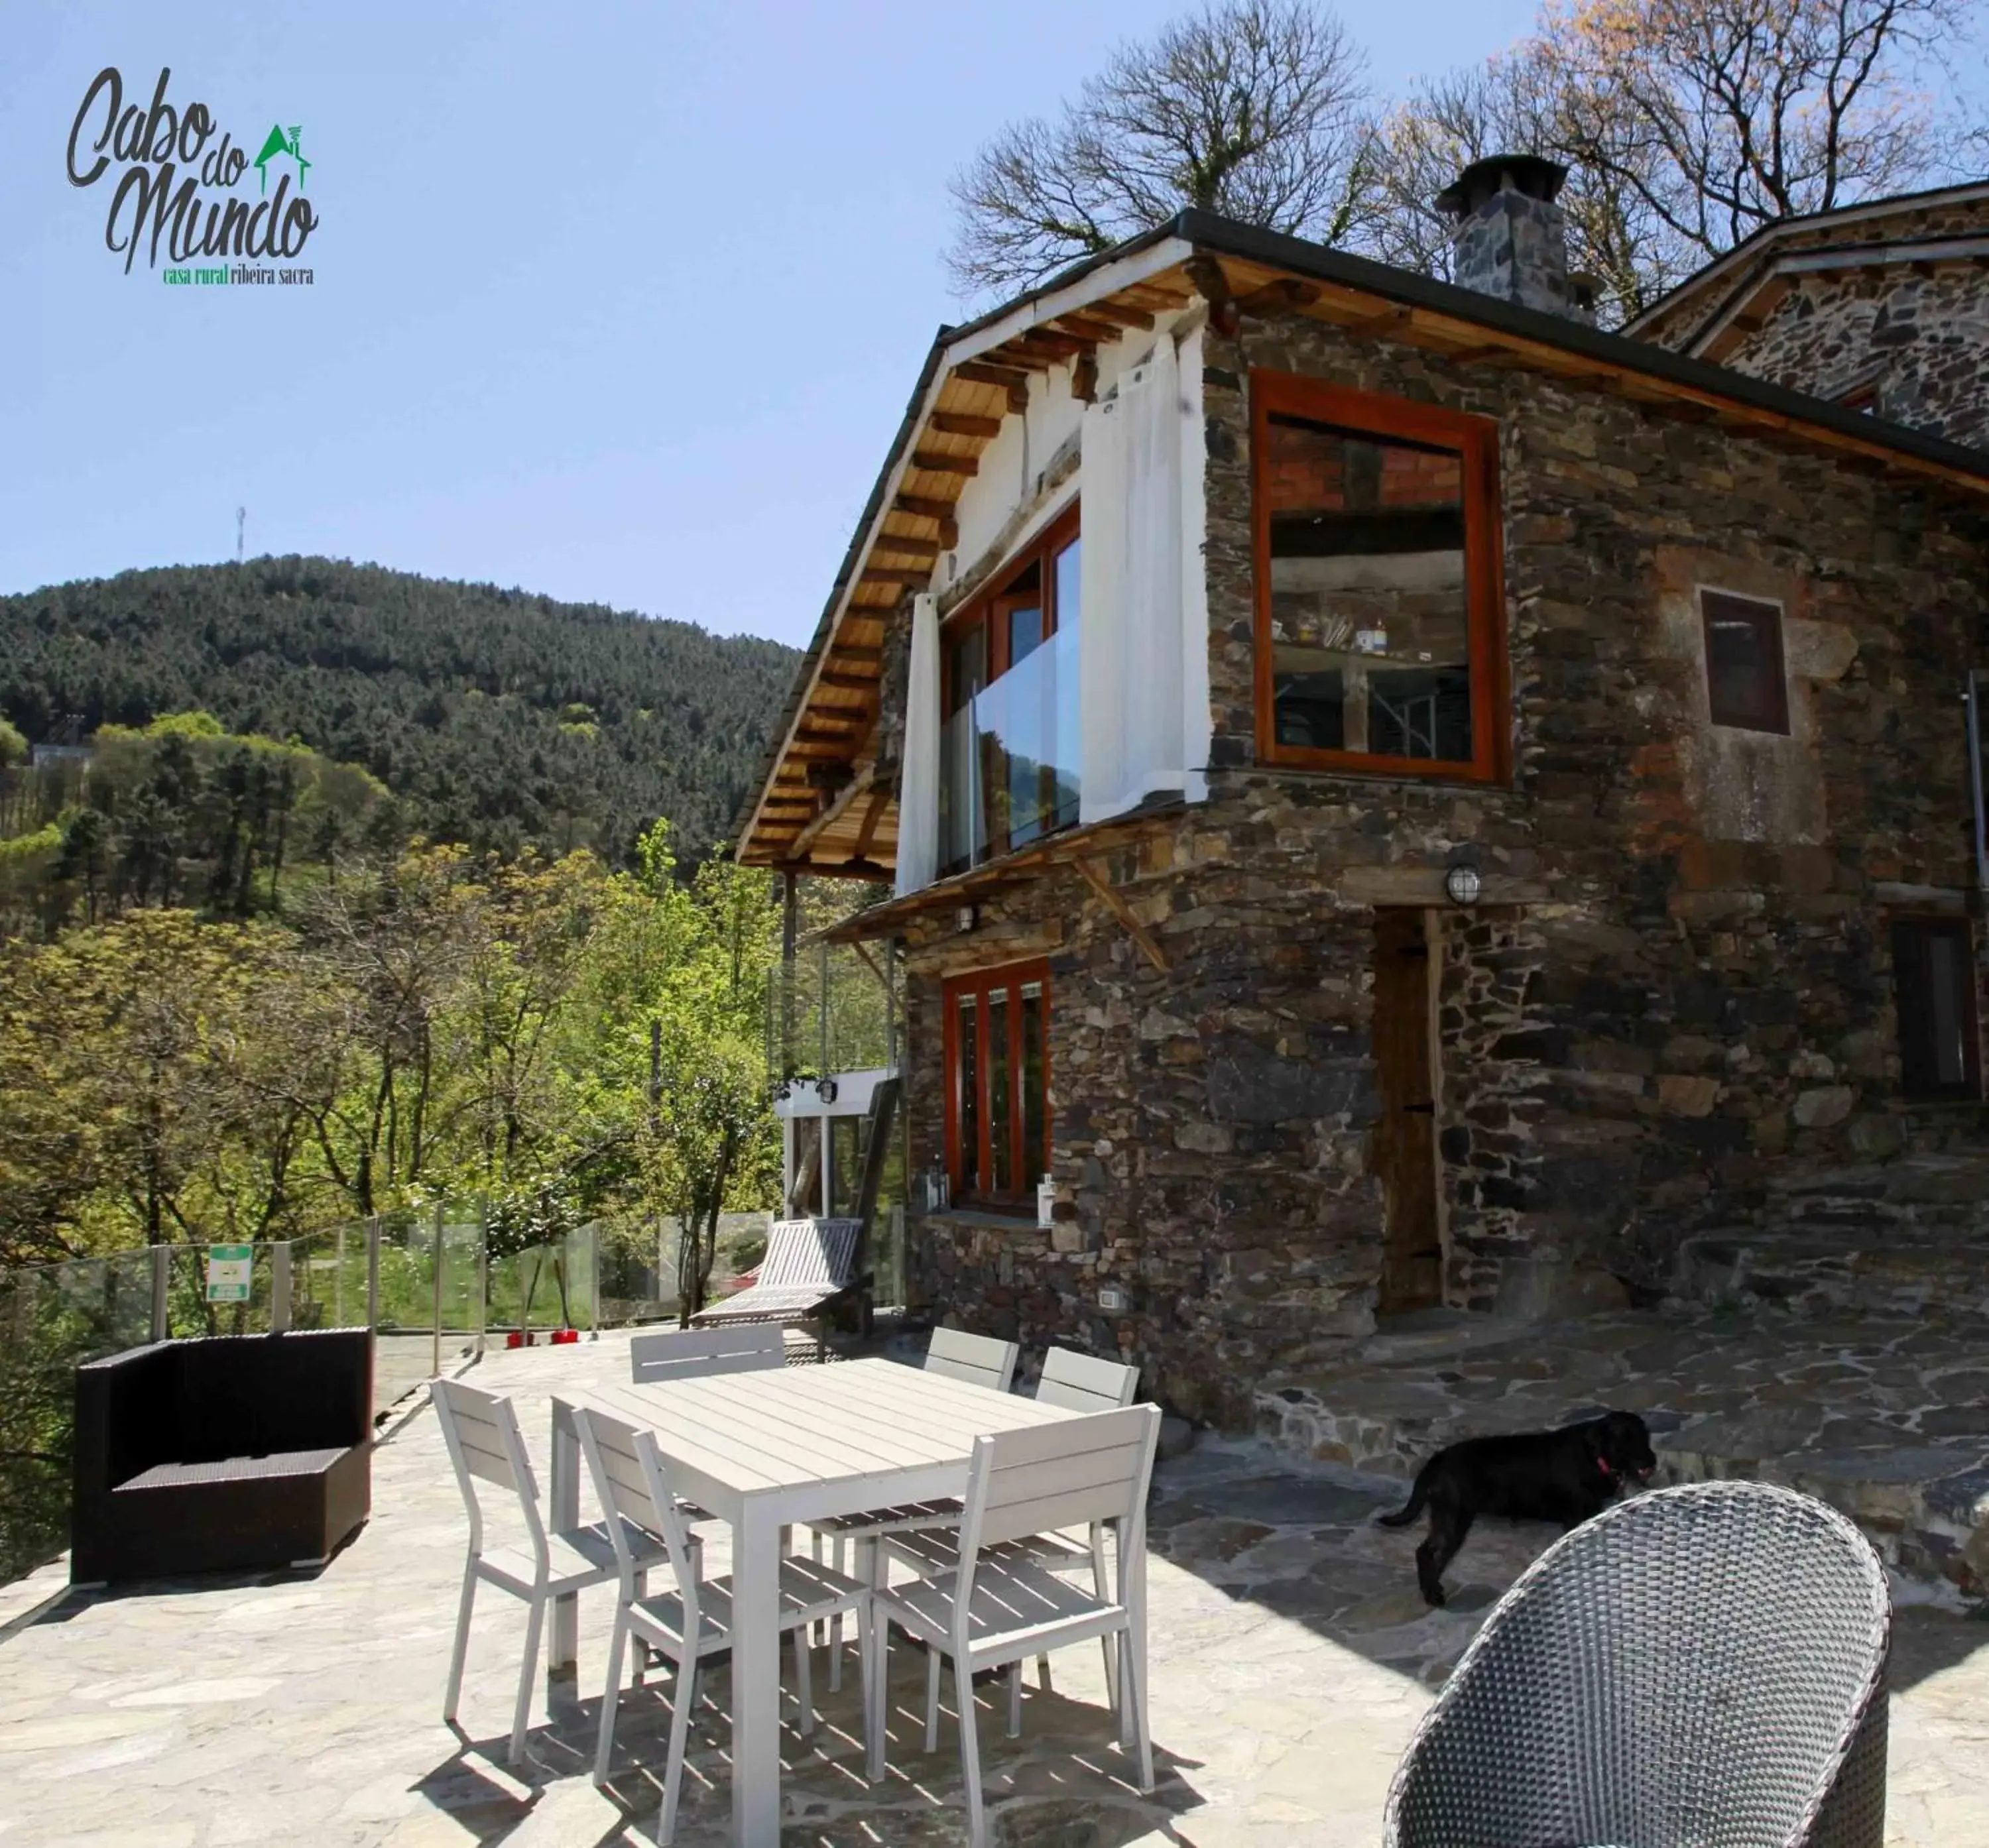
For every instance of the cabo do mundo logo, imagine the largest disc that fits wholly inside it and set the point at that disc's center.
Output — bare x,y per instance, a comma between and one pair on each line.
181,195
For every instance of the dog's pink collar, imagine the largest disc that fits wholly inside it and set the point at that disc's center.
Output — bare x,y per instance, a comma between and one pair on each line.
1602,1463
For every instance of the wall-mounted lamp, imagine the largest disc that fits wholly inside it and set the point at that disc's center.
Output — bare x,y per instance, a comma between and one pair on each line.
826,1091
1462,884
963,919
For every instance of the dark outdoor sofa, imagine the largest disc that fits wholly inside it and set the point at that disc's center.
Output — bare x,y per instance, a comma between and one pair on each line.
233,1453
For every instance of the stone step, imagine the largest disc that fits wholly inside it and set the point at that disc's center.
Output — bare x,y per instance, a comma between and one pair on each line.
1885,1417
1948,1190
1827,1269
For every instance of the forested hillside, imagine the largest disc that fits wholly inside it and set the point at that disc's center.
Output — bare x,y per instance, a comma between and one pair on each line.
496,717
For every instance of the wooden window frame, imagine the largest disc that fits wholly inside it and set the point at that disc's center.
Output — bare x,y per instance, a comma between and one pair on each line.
1779,674
1970,1089
984,605
984,608
1476,440
981,983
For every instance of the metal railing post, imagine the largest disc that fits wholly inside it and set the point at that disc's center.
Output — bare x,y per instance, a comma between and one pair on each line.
373,1272
280,1287
162,1278
436,1370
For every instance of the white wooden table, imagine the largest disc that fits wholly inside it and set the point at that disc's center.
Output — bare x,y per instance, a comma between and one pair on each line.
764,1450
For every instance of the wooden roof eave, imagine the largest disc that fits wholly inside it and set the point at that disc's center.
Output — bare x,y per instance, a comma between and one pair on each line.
921,437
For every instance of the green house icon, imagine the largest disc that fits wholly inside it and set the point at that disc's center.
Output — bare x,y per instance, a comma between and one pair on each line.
279,142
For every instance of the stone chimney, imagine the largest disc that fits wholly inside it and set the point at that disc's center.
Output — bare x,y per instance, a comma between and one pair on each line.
1510,238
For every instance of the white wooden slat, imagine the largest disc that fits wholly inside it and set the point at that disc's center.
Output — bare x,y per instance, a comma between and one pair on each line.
1095,1430
1046,1514
1084,1383
763,1431
1108,1470
979,1360
656,1358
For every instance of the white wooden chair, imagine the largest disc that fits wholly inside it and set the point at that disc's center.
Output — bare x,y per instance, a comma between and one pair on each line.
1081,1382
807,1264
694,1620
485,1445
670,1354
983,1615
980,1360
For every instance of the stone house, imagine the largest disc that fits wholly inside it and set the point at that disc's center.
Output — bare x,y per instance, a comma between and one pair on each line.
1883,306
1393,796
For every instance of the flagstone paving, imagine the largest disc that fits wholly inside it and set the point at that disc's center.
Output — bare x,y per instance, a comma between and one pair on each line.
1291,1659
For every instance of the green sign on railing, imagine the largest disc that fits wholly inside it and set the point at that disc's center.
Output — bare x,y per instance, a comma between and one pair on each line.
228,1270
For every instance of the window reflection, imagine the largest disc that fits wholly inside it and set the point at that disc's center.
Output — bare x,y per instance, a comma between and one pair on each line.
1369,607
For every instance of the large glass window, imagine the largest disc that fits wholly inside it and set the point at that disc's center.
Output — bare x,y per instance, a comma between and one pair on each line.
998,1121
1009,751
1379,644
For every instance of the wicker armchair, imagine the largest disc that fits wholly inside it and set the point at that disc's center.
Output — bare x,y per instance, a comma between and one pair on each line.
1700,1668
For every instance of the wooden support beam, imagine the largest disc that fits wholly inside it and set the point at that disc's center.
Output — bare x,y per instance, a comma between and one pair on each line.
803,747
1051,344
1120,312
851,793
939,512
1286,295
958,423
1209,276
844,651
905,546
980,372
886,574
848,683
880,800
1082,326
1123,912
934,463
1084,380
1373,327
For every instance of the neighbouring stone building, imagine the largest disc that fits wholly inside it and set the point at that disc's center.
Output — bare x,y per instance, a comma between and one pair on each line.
1883,306
1510,809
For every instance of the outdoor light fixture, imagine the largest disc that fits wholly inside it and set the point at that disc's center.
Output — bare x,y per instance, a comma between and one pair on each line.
963,919
1462,884
826,1091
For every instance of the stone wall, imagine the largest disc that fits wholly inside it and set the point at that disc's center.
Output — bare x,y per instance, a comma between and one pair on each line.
1675,992
1919,342
1681,321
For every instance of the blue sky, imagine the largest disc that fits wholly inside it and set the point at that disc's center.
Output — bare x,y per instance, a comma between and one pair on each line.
617,302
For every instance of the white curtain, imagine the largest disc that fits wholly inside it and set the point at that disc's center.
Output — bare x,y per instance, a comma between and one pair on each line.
1134,660
918,788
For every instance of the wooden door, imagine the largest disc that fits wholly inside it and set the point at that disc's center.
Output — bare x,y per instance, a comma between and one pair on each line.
1405,1137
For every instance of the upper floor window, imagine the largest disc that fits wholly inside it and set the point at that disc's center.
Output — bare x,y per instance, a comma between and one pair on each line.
1745,683
1009,747
1380,641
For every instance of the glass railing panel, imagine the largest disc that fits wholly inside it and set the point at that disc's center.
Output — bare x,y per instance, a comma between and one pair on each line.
1009,758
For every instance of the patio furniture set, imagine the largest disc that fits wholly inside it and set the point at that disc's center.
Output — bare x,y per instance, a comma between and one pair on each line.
996,1505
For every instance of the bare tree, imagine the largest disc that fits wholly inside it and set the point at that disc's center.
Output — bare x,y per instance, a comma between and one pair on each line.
1686,126
1508,106
1256,109
1716,117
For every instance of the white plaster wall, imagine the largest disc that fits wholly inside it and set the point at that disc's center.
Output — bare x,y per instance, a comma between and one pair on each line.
1013,465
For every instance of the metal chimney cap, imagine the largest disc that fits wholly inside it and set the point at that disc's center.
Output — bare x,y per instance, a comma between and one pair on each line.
1534,175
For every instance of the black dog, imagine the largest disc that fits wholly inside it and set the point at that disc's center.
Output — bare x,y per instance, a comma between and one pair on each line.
1569,1476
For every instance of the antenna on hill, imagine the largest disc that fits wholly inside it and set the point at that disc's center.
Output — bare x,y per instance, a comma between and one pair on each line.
240,528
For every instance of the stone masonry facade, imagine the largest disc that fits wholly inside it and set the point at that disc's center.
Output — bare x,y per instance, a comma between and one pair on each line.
1911,335
1674,997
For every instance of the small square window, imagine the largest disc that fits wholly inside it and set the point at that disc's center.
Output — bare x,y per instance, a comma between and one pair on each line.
1933,980
1745,684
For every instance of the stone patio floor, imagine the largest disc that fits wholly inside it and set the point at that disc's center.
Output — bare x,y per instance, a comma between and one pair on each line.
1291,1658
